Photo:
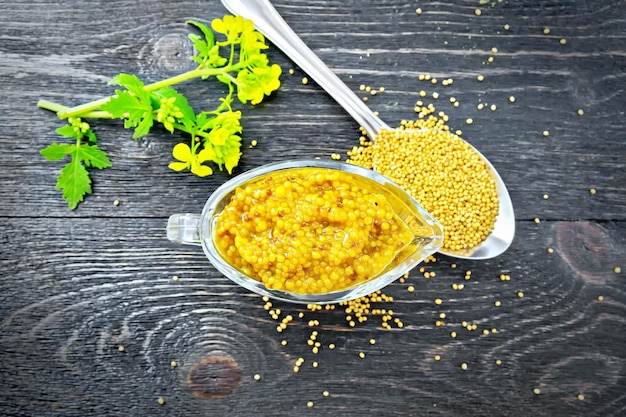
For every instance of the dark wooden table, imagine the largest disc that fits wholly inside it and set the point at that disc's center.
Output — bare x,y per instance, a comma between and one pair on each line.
91,316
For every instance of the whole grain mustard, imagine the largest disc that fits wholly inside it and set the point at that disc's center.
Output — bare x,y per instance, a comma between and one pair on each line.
310,230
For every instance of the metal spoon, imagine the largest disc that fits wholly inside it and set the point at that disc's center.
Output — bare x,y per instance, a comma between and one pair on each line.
269,22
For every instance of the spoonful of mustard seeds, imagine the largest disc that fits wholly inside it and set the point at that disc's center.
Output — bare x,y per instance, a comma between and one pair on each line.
444,173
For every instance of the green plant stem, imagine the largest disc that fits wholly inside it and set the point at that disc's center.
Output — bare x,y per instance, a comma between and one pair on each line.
56,107
196,73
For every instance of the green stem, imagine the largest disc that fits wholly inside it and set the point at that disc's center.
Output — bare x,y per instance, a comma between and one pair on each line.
56,107
196,73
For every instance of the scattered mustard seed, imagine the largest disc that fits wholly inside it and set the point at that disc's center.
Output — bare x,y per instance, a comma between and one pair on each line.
546,31
592,191
291,71
437,358
161,400
498,362
477,12
494,50
600,298
485,332
257,377
550,250
410,288
438,301
325,393
563,41
546,133
310,404
331,346
490,59
362,355
116,203
580,397
175,278
497,303
536,391
537,220
546,196
121,348
512,99
253,143
617,269
493,107
480,78
435,95
305,80
580,112
173,364
520,294
469,121
453,335
464,366
418,10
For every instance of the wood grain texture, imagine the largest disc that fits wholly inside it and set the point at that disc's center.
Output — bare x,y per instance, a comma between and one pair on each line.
75,286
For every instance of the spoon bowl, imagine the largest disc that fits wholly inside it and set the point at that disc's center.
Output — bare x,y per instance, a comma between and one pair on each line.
269,22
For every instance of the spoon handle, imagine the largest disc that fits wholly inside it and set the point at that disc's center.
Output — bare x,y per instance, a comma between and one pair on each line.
269,22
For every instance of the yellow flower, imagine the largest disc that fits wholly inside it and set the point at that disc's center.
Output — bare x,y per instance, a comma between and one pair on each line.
188,159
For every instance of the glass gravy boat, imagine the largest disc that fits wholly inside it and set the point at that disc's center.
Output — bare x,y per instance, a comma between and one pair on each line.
199,229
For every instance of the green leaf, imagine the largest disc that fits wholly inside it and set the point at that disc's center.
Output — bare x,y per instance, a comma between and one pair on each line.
93,156
57,151
132,83
136,111
69,131
75,182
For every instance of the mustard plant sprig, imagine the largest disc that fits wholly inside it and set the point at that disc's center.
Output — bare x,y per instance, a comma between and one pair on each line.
237,60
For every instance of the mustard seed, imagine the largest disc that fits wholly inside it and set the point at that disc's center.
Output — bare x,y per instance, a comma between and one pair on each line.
310,404
438,301
257,377
563,41
418,11
497,303
546,133
480,78
498,362
600,298
464,366
173,364
305,80
580,112
121,348
580,397
506,27
161,400
617,269
478,12
546,31
536,391
116,203
437,358
592,191
520,294
291,71
325,393
550,250
512,99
